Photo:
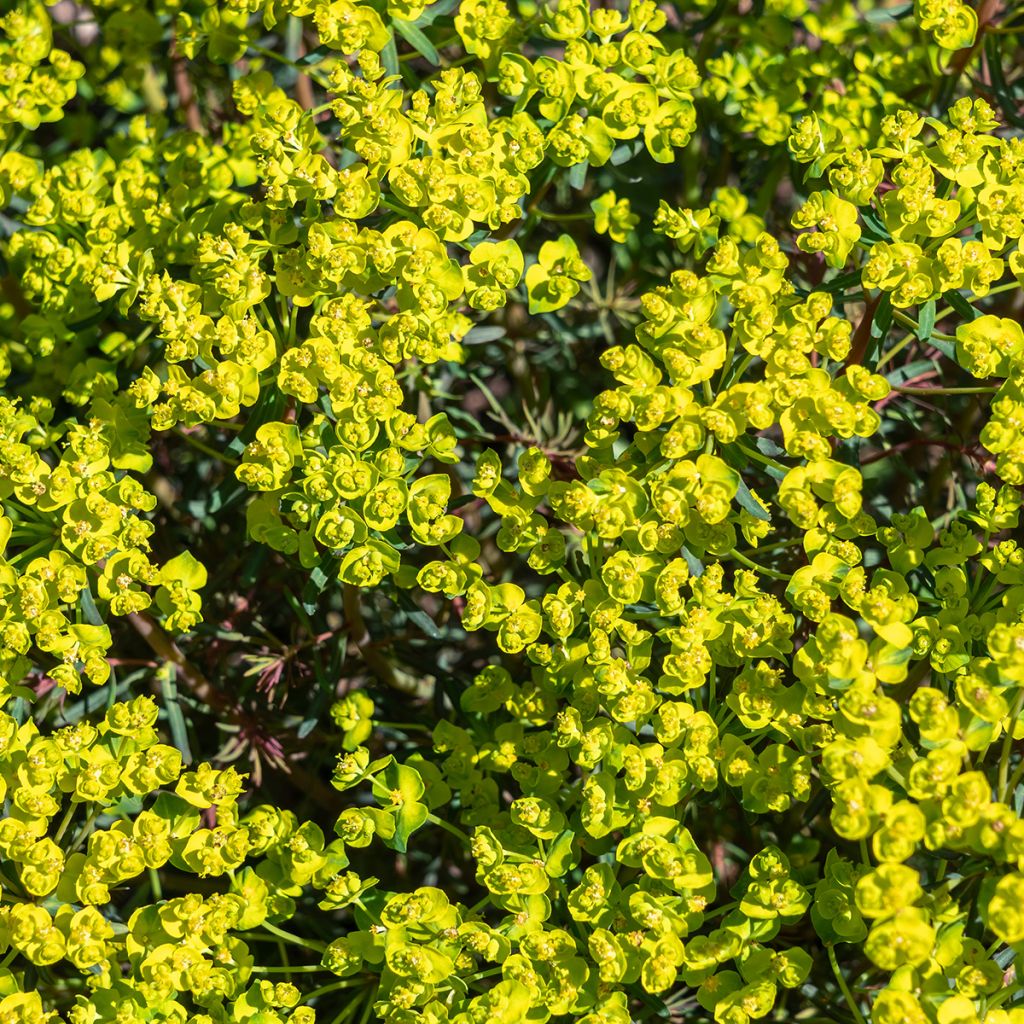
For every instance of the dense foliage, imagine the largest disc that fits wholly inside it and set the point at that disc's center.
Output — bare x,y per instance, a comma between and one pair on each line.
511,511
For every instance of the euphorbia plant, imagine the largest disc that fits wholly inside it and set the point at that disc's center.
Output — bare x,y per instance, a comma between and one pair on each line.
511,512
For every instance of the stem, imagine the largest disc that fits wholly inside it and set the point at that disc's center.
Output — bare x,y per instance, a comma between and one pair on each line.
792,542
730,353
844,988
771,573
1018,774
457,832
204,448
389,205
21,555
740,369
306,70
894,351
903,390
369,1009
723,909
297,940
304,969
333,987
65,821
86,828
1004,757
544,215
912,324
757,456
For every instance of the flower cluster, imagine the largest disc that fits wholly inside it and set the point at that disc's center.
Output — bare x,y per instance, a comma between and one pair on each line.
725,708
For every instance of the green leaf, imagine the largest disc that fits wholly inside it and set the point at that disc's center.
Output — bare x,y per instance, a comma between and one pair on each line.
483,335
93,320
841,282
926,321
435,11
418,616
389,57
314,56
904,373
1008,104
319,577
578,174
750,503
315,713
89,609
628,150
172,708
696,566
881,14
877,230
882,320
766,446
880,324
561,856
416,38
961,305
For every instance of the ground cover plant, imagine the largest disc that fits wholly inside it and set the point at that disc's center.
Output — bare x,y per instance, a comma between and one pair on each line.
511,511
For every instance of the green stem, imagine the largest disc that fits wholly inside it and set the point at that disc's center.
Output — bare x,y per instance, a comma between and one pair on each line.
770,573
204,448
301,69
777,545
912,324
544,215
757,456
741,369
457,832
369,1009
727,363
844,988
594,546
948,310
334,986
86,828
1014,782
1004,757
65,821
297,940
980,589
22,555
895,351
946,391
388,204
723,909
305,969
